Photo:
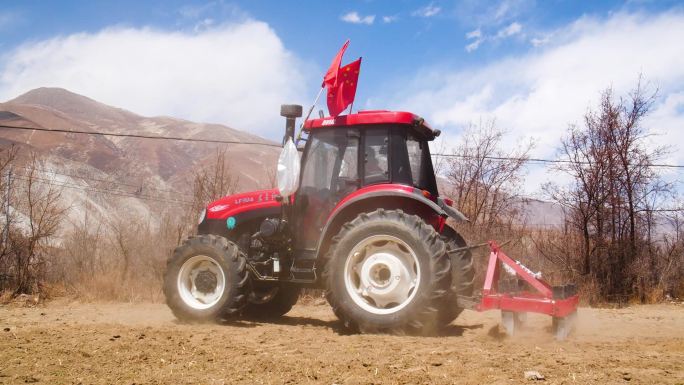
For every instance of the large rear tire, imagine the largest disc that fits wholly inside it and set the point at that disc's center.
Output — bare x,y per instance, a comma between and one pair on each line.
206,279
387,271
271,302
462,275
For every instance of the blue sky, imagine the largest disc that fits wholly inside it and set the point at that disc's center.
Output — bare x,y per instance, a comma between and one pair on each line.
532,66
395,37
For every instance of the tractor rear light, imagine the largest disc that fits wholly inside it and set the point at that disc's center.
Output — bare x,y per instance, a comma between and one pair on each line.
448,202
426,194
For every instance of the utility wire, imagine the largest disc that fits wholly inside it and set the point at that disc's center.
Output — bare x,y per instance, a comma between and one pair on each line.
46,171
140,136
107,192
499,158
539,160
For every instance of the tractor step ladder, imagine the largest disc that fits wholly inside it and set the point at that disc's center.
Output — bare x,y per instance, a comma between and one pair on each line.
514,300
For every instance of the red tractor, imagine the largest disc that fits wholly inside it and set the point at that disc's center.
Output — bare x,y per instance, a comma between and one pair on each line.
366,224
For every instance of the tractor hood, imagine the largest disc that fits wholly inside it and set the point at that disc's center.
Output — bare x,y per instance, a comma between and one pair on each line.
232,205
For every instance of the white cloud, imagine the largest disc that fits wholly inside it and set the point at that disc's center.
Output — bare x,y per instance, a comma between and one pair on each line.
389,19
478,37
196,11
492,14
537,94
539,41
237,74
355,18
512,29
474,45
204,24
474,34
214,9
427,11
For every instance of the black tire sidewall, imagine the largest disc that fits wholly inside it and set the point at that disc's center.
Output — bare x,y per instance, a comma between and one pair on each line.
214,249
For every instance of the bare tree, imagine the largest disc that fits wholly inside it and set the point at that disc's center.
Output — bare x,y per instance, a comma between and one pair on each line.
7,158
31,243
213,182
614,192
485,179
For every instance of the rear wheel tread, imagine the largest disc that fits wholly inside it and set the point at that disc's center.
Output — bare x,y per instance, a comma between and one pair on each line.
439,268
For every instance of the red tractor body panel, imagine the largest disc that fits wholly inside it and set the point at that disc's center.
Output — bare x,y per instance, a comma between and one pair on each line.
370,118
239,203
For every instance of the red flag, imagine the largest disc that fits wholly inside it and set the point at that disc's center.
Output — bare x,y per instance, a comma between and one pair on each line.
330,78
342,95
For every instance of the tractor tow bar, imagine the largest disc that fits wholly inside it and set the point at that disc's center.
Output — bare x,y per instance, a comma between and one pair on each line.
514,301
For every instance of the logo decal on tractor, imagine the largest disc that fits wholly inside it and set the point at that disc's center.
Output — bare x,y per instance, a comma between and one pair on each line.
244,200
218,208
328,122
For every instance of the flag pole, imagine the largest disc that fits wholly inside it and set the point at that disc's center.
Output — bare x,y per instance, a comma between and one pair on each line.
308,115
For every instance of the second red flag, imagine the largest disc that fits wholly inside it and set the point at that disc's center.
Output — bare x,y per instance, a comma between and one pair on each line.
342,95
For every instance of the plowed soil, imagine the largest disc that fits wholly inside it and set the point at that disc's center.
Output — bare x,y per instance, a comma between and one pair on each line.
71,343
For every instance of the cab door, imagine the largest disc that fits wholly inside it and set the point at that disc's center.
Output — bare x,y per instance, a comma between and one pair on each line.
330,172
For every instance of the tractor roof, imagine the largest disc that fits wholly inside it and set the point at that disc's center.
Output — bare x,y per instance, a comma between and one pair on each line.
373,117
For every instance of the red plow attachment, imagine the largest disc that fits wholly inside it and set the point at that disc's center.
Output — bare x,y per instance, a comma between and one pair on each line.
514,298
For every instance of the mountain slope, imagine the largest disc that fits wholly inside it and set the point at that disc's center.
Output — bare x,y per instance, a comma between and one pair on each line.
143,172
55,108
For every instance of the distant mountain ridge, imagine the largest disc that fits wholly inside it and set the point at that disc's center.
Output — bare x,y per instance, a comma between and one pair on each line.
160,168
56,108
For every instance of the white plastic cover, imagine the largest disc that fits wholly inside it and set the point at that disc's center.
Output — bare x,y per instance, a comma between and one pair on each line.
288,169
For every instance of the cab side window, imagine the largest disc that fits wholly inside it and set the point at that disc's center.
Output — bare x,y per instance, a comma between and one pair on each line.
376,152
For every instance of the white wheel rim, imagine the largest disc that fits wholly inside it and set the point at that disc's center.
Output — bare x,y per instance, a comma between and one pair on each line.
201,282
382,274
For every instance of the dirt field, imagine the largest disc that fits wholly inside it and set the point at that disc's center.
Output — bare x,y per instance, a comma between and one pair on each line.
68,343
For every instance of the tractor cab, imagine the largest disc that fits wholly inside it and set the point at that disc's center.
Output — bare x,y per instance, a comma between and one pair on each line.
353,152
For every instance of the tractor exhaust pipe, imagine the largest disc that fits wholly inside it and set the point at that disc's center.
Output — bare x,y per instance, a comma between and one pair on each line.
291,112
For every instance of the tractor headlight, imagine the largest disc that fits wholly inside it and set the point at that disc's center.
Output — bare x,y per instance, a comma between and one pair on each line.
202,215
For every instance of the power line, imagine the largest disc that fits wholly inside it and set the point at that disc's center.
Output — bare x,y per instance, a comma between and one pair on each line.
139,136
46,171
219,141
539,160
107,192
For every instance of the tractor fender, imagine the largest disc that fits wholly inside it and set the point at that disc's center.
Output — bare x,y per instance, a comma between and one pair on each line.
401,197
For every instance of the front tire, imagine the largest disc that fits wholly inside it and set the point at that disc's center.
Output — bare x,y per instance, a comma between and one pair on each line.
387,271
206,279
